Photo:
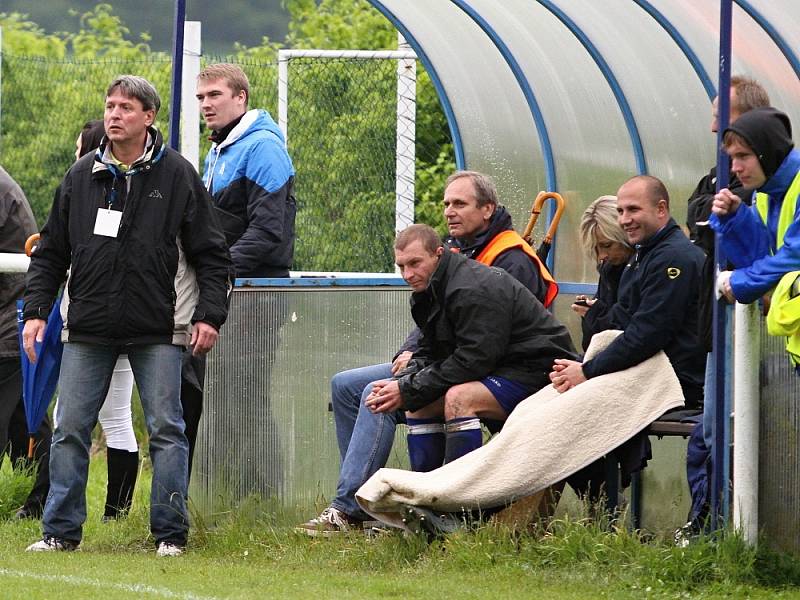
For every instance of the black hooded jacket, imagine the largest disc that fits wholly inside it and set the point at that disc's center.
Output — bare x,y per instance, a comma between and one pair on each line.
768,132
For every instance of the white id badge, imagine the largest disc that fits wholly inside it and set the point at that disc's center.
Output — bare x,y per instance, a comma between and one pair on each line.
107,222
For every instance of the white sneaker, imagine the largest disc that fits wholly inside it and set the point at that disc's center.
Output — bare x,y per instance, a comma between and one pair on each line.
330,522
168,549
52,544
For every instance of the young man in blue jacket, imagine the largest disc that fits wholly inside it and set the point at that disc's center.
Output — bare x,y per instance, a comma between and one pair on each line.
763,240
251,179
249,174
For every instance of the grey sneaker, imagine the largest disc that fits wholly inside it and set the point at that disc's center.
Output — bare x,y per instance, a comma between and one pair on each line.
168,549
331,521
52,544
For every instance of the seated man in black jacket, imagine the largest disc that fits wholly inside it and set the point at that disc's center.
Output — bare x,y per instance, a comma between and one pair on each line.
657,299
480,228
486,343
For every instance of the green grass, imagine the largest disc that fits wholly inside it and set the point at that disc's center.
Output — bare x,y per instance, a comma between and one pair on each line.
251,553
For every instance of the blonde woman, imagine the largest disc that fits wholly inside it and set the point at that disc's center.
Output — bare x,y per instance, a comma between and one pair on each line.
603,240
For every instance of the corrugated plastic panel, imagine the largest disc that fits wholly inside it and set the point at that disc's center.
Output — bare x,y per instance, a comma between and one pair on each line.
266,429
779,464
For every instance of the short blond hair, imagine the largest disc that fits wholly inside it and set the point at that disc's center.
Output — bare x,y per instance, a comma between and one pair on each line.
233,76
601,218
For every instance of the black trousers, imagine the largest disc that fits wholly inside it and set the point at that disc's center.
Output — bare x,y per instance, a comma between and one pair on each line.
14,432
193,375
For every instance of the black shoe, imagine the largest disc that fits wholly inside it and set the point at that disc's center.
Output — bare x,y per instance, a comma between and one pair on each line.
423,520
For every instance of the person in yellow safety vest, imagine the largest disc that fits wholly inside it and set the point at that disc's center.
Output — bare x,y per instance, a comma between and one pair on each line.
763,241
784,314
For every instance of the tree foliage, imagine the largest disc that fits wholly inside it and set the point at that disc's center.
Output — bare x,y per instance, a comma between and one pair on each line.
53,82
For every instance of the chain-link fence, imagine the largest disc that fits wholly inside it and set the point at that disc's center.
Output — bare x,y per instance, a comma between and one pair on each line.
342,139
342,129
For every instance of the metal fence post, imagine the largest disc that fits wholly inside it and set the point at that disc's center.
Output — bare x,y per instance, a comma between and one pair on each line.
177,69
721,422
406,137
746,402
283,92
190,110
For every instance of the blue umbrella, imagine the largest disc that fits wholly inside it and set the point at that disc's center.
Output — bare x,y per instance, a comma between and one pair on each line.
39,379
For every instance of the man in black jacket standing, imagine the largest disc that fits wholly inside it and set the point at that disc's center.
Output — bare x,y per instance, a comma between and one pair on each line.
16,224
746,94
149,274
486,344
657,299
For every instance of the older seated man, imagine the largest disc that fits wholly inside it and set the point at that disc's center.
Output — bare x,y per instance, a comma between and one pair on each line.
479,228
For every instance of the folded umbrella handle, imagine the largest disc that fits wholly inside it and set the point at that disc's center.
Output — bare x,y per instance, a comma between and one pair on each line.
30,243
536,210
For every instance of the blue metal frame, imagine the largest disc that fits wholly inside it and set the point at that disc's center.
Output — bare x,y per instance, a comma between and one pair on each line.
608,73
452,122
177,75
773,33
721,422
316,282
551,180
673,32
576,287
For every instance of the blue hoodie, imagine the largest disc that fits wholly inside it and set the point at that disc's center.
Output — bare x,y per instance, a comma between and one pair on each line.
251,178
750,244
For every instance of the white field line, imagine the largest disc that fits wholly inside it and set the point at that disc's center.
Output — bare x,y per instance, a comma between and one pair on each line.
136,588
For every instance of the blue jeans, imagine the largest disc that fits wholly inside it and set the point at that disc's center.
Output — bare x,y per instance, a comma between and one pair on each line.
365,438
86,371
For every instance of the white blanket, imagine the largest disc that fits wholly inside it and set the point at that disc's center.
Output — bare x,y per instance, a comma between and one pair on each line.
548,437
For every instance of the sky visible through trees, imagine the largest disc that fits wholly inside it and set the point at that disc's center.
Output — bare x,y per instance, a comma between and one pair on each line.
244,21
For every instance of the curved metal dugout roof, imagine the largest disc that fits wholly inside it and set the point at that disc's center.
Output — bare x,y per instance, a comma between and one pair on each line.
574,96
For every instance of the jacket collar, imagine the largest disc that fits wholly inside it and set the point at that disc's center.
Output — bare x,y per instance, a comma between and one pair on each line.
153,151
435,290
245,122
219,136
653,241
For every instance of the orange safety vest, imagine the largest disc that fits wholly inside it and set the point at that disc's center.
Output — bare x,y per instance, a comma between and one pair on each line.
511,239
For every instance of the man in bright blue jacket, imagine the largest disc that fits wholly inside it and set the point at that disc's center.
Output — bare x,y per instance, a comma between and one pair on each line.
762,241
249,174
251,180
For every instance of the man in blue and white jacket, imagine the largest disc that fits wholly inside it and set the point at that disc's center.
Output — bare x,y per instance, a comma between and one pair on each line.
249,174
251,179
